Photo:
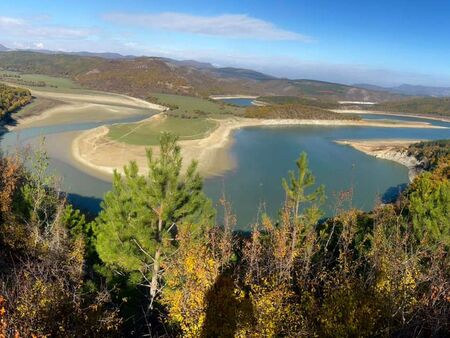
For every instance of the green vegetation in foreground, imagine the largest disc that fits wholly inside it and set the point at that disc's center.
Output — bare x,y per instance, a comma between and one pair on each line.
12,98
190,107
295,111
179,199
430,152
155,260
433,106
149,132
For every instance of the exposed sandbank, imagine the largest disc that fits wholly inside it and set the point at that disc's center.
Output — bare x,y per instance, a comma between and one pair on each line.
260,103
377,112
394,150
86,107
96,151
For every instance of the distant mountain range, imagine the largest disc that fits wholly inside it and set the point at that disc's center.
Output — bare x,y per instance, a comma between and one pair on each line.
225,72
272,85
411,90
140,76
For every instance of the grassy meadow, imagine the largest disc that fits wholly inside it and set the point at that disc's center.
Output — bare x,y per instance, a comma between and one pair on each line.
189,106
188,117
38,81
149,132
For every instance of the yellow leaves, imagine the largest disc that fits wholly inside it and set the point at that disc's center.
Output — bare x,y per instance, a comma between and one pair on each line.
273,310
188,278
397,281
3,323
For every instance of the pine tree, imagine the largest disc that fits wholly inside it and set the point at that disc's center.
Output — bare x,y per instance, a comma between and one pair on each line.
429,206
137,227
295,187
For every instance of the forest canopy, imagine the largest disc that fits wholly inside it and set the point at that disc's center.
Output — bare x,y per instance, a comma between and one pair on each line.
295,111
12,98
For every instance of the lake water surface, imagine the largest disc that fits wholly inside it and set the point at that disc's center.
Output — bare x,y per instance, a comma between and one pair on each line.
243,102
263,155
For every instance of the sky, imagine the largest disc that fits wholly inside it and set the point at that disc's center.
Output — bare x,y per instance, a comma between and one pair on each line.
379,42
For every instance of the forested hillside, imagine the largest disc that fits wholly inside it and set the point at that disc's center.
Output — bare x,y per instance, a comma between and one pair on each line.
142,75
12,98
156,263
295,111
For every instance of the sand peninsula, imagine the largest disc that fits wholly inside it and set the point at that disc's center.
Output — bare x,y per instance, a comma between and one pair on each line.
254,101
377,112
394,150
97,152
87,106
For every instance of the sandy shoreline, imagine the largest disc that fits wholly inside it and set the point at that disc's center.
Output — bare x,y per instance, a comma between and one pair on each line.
93,151
74,105
394,150
96,151
377,112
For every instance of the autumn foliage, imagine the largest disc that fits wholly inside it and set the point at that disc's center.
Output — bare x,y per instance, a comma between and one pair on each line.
357,274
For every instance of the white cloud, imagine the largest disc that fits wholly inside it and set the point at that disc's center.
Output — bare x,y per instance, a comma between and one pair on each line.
21,28
7,22
38,45
227,25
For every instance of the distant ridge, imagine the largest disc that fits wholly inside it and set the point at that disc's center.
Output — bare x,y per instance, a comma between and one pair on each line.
411,90
239,73
106,55
140,76
225,72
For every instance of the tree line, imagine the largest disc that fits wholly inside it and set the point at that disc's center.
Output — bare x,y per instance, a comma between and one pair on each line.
156,263
295,111
12,98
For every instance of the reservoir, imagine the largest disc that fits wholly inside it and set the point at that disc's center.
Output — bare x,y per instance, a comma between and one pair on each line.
263,156
243,102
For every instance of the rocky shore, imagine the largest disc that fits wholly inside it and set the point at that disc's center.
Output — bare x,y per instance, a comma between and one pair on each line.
393,150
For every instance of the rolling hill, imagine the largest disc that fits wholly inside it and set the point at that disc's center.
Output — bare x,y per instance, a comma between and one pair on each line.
433,106
412,90
140,76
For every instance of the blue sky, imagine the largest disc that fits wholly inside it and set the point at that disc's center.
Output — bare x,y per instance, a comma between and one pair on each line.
381,42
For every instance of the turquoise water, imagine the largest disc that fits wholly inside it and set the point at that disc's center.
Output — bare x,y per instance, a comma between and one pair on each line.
263,156
239,102
403,118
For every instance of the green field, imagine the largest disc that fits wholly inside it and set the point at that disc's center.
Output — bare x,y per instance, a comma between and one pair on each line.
149,133
38,82
188,117
187,106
